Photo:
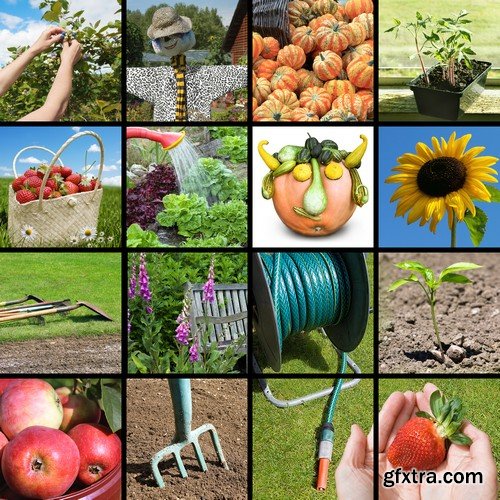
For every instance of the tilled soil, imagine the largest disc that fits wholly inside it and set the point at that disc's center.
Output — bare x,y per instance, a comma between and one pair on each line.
468,316
150,427
93,354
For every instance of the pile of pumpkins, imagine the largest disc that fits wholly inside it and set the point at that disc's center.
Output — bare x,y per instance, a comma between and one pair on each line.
325,73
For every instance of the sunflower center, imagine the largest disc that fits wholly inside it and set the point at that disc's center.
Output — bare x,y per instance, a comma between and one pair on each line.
441,176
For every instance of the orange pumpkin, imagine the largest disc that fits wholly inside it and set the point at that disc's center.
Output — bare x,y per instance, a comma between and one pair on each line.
360,72
340,15
337,88
262,90
285,96
289,193
254,81
291,55
299,13
272,111
367,96
321,7
333,35
367,21
357,33
327,65
352,53
354,8
267,68
257,45
317,99
285,78
339,115
351,103
307,79
304,115
254,104
271,47
318,21
304,38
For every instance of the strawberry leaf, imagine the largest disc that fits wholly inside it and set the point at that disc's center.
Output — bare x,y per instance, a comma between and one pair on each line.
461,439
424,414
436,403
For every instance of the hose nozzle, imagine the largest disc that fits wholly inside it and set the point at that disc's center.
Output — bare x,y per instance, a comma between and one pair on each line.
324,455
168,140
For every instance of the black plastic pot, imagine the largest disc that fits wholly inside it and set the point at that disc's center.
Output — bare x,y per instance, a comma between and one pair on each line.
444,103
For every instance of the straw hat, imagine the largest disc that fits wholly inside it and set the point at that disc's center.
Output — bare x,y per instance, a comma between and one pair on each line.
166,22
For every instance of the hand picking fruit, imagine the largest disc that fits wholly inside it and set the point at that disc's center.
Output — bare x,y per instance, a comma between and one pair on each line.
421,443
62,181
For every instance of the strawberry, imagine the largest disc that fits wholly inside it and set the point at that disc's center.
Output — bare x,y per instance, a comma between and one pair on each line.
74,178
46,192
56,169
66,171
93,182
68,188
51,183
25,196
18,183
85,185
421,442
30,173
34,182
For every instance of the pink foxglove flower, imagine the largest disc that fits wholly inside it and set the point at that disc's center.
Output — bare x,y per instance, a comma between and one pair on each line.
194,355
209,286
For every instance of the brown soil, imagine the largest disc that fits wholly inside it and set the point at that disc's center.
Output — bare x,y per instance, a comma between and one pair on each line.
96,354
468,316
150,427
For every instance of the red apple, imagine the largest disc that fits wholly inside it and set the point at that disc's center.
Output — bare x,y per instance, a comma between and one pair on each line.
3,443
4,383
63,393
29,402
40,462
77,409
100,451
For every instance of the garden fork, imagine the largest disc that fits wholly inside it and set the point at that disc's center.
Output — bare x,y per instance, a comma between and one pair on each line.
180,391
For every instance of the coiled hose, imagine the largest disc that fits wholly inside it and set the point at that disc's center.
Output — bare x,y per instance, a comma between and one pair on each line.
300,284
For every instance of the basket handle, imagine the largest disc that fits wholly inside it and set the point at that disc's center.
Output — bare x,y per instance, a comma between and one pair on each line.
59,153
26,149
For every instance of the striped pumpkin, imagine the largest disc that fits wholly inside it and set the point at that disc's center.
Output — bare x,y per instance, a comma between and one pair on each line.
316,99
271,47
304,115
337,88
307,79
318,21
304,38
354,8
367,96
299,13
339,115
272,111
357,34
352,53
262,90
291,55
341,15
257,62
285,96
267,68
367,21
333,35
321,7
351,103
255,104
257,45
285,78
327,65
360,72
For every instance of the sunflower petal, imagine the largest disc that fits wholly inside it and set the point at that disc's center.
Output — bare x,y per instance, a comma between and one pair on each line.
468,201
411,159
477,189
437,147
404,190
483,161
450,217
472,153
403,178
424,151
460,146
418,210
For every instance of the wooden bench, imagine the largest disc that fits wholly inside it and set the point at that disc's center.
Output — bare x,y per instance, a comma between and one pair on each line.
228,313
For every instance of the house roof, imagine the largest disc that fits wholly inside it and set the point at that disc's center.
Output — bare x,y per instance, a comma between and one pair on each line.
234,27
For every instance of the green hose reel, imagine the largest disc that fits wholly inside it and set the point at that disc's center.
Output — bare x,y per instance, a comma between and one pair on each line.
322,284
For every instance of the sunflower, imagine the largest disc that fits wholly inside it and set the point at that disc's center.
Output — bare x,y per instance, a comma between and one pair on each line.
445,179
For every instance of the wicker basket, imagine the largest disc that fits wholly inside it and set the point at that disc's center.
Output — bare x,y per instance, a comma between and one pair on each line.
58,221
270,18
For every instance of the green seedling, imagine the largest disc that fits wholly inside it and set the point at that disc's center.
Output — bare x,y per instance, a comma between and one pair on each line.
430,284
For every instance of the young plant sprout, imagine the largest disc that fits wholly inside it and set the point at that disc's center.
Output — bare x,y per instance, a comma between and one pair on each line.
430,284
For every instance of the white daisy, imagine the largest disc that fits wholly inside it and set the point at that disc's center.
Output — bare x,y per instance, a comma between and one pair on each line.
101,234
28,232
100,239
88,233
74,240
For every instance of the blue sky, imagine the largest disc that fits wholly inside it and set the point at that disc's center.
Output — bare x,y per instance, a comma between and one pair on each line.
15,138
395,141
225,8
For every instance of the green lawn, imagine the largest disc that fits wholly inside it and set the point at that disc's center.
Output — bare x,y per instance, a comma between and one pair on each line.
92,277
314,353
479,396
484,27
109,217
285,443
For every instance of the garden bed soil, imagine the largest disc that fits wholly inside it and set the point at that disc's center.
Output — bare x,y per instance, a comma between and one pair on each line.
464,77
468,316
150,427
90,354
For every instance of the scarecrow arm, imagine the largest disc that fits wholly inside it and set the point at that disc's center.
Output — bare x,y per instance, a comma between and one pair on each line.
145,83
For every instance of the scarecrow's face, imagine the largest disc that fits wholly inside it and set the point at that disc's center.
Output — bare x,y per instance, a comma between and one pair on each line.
175,44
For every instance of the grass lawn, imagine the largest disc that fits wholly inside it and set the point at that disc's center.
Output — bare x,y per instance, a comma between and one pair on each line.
314,353
285,440
484,17
90,277
109,217
479,396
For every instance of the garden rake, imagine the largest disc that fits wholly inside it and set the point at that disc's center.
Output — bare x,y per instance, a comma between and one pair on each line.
180,391
20,301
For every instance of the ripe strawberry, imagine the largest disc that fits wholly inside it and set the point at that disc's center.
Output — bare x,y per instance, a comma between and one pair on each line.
74,178
30,173
46,192
34,182
68,188
25,196
93,182
66,171
18,183
85,185
56,169
420,443
51,183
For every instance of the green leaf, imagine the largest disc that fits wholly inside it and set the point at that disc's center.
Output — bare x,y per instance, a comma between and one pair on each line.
112,405
460,439
56,8
476,225
458,266
50,16
494,192
399,283
423,414
456,278
413,265
436,403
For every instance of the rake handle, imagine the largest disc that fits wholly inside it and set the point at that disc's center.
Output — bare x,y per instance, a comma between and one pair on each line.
180,391
55,310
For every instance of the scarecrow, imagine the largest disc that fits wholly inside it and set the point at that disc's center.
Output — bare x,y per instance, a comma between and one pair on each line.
176,88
